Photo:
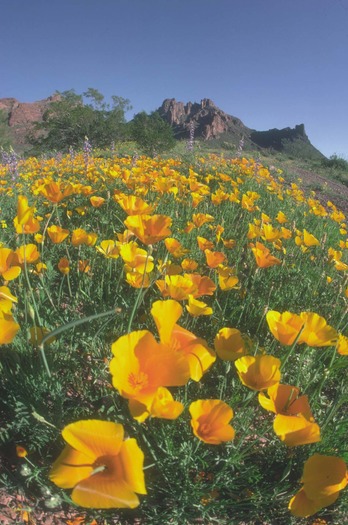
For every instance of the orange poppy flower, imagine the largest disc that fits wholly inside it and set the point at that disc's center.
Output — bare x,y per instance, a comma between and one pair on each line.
21,452
199,219
263,256
141,365
27,253
80,236
285,400
214,258
64,266
195,350
133,205
149,228
302,506
9,266
189,265
324,476
210,421
204,285
56,191
8,328
164,406
258,372
138,280
97,202
57,234
285,326
204,244
83,266
104,470
175,247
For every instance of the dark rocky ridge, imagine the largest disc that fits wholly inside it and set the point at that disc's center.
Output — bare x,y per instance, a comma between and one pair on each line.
210,122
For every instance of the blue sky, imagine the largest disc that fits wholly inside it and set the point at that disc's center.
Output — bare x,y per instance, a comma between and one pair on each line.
271,63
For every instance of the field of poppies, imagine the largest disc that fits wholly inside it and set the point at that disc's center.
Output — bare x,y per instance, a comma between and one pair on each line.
174,341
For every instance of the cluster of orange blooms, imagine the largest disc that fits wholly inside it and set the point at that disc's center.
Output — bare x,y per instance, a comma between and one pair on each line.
102,468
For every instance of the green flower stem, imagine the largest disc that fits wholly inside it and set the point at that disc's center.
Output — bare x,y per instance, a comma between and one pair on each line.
77,322
141,293
65,327
291,349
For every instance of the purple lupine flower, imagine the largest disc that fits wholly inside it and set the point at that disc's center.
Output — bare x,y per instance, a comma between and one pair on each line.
10,159
240,147
87,150
191,137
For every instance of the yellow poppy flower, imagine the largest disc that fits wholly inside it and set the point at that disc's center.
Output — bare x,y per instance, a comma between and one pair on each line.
103,470
296,430
323,478
133,205
342,344
197,308
25,222
109,249
229,344
316,331
6,299
227,278
8,328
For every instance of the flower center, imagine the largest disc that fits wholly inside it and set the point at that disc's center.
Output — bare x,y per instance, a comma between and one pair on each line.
138,381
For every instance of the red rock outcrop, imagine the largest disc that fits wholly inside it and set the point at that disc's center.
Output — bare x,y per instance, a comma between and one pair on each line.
208,120
21,116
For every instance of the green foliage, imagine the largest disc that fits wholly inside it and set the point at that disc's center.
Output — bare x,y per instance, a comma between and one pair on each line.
152,134
5,136
335,162
69,120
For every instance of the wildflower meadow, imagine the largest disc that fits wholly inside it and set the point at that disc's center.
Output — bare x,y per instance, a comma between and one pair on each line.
174,341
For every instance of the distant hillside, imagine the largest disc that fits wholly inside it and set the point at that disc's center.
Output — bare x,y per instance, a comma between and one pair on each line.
207,121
